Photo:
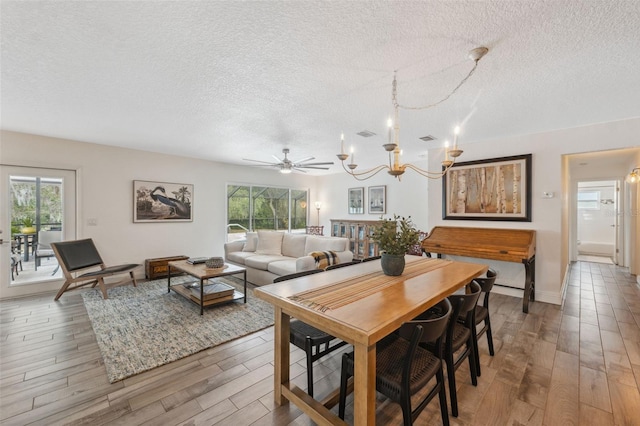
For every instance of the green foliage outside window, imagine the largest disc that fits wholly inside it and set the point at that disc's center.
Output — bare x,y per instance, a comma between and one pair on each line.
24,199
259,207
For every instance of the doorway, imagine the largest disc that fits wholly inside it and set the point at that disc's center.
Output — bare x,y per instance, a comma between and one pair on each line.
597,221
39,207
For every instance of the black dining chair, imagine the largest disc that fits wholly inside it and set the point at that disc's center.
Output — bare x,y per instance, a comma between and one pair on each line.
459,334
342,265
369,259
314,342
482,314
404,367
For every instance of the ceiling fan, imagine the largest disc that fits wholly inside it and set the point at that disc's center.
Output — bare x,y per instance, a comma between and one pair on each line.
287,166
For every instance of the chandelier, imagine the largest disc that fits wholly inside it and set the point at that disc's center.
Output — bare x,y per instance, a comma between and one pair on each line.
395,168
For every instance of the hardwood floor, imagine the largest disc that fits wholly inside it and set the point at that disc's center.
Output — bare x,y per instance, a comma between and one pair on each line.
575,364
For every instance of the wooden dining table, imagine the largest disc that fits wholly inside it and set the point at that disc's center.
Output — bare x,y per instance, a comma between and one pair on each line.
360,305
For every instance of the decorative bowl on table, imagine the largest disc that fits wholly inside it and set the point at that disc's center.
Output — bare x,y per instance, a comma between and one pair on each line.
215,262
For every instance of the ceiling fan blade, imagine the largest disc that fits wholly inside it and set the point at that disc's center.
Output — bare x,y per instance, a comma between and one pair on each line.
313,167
303,160
263,162
297,169
328,163
277,159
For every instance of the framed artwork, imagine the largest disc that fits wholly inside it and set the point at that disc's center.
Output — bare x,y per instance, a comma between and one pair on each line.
493,189
356,200
378,199
162,201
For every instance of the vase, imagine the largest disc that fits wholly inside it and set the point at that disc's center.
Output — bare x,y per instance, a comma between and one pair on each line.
392,264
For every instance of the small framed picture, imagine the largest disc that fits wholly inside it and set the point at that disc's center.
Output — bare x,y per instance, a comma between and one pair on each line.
356,200
162,201
377,199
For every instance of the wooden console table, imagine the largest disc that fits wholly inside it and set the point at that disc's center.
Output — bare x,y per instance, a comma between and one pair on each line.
509,245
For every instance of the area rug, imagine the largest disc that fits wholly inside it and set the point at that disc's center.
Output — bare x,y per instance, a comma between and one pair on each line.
139,328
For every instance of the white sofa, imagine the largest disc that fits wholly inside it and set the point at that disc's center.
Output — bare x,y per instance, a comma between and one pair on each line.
270,254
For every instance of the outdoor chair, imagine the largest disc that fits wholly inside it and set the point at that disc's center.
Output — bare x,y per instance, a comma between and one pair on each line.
16,260
315,343
77,256
315,230
404,367
43,248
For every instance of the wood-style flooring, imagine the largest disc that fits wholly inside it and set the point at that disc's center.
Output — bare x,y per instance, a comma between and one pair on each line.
573,364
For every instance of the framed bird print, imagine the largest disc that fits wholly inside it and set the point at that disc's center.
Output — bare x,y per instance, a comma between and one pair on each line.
162,201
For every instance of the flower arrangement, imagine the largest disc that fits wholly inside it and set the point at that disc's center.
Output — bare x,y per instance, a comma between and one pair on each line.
395,236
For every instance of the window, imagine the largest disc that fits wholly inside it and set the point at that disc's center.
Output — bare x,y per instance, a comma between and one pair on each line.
253,207
589,200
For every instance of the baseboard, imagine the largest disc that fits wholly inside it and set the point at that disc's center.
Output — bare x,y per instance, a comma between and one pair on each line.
565,282
555,298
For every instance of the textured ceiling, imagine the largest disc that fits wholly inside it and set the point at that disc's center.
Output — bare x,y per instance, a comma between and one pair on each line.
223,80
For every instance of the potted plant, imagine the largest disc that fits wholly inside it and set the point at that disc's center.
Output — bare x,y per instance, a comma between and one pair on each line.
394,237
27,226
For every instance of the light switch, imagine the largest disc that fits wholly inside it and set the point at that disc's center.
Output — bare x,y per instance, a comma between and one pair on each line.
547,195
92,221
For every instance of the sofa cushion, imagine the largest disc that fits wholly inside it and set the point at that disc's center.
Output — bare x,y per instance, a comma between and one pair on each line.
269,242
317,243
283,267
261,261
239,257
324,258
252,242
293,245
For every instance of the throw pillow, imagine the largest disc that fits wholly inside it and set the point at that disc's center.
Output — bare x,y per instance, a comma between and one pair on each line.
270,242
324,258
252,242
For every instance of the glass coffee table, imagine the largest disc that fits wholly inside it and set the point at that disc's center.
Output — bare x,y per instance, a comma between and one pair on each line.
204,274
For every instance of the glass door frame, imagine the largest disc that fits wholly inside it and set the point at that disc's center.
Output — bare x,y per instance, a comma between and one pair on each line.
69,227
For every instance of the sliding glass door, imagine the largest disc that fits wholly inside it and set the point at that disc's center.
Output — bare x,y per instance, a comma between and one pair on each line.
38,207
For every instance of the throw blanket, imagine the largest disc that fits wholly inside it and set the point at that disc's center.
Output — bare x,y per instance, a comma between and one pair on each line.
324,258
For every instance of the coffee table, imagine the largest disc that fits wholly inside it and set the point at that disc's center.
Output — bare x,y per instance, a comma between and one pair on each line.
202,273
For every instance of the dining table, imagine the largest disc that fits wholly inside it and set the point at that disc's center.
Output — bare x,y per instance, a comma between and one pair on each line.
360,305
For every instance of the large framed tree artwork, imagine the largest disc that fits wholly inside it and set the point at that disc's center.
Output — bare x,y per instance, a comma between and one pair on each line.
492,189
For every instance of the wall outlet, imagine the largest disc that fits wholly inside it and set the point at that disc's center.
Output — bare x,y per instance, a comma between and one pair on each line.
547,195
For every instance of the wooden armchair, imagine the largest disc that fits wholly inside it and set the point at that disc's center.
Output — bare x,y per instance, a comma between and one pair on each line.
80,255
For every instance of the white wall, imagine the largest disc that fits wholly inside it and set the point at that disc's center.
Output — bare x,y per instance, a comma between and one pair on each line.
106,194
